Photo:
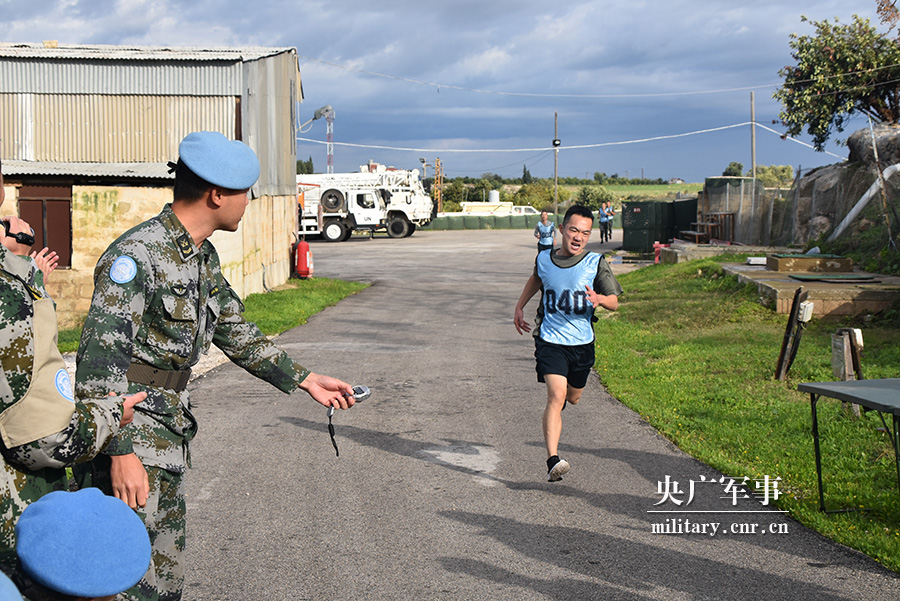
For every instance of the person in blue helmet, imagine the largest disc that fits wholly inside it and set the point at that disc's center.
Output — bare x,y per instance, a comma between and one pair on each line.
160,300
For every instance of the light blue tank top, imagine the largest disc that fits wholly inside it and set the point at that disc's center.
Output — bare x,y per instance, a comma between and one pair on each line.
567,311
546,232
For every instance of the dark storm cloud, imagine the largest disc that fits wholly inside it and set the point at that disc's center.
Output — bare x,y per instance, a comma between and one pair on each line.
612,47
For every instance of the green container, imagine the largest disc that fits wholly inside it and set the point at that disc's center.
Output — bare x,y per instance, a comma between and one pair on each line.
503,222
646,222
519,222
533,220
455,223
471,222
684,213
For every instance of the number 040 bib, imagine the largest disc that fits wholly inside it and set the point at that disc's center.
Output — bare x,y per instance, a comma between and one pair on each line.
566,309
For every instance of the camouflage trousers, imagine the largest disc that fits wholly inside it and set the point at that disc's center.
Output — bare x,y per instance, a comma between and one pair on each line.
164,516
18,489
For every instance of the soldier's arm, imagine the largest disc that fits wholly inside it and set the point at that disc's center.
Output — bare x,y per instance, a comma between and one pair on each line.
121,280
247,346
92,426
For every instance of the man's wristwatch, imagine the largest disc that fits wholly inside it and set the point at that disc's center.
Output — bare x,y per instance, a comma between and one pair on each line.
20,237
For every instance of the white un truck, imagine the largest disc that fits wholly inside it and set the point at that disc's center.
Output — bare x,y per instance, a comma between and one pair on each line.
376,198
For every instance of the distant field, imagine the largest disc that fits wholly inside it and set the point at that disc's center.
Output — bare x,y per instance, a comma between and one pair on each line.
658,191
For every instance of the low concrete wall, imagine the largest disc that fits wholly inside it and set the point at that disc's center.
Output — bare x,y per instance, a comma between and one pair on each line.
683,252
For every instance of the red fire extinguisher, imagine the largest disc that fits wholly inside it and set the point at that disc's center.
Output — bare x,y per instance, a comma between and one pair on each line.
304,260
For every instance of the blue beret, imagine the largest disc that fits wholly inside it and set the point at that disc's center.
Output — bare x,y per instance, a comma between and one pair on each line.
8,590
218,160
83,544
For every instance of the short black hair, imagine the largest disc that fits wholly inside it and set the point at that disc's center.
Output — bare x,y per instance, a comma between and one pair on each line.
188,185
581,211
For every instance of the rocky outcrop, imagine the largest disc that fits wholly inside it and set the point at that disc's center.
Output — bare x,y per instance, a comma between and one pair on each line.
827,194
887,139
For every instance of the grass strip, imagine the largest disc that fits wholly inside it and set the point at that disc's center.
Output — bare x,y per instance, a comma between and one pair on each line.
295,302
289,306
694,351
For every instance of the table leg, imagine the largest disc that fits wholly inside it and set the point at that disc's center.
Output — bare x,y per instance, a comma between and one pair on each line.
815,424
895,438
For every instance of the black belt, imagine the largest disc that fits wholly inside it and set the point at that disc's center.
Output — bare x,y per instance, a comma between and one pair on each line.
176,380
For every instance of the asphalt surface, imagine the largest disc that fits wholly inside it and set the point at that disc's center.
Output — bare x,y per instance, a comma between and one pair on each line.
439,491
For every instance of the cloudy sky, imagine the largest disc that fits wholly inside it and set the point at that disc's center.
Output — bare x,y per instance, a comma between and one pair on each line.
477,82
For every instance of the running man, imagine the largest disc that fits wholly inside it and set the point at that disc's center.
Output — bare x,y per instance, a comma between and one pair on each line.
573,283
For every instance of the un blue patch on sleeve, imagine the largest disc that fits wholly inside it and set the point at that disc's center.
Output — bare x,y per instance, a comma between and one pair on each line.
123,270
64,385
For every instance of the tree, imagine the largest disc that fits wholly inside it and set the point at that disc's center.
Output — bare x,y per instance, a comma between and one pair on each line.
734,168
526,175
774,176
841,70
539,195
888,13
304,167
593,196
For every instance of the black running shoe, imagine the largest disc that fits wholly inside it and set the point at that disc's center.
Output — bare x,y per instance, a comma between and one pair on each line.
556,468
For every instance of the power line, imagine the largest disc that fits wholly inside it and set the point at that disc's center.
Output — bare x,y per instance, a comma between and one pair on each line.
439,86
577,147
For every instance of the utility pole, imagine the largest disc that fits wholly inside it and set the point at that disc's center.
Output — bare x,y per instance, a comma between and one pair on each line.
439,184
555,165
753,134
329,142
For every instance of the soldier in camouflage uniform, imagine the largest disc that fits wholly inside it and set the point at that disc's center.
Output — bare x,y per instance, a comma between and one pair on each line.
43,428
159,301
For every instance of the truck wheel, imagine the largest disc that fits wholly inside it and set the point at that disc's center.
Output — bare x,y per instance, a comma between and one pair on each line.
332,200
412,229
398,227
334,231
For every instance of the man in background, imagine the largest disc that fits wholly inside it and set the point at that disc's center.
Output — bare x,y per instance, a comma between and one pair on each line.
545,232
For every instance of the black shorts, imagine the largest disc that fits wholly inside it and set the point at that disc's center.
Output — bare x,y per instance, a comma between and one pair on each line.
573,362
543,247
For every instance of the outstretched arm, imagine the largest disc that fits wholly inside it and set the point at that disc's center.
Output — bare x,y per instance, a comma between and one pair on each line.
328,391
531,287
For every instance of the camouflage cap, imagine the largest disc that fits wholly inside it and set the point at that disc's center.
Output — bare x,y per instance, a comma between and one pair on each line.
218,160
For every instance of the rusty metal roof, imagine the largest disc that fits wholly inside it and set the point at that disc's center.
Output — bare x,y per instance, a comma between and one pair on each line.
142,53
110,170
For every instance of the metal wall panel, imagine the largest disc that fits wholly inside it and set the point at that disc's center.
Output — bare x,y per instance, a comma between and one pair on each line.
269,116
110,129
166,78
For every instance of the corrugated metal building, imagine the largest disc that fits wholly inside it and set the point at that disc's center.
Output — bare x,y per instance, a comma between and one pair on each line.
89,118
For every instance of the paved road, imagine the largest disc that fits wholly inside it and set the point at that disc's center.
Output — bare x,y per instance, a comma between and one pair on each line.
439,492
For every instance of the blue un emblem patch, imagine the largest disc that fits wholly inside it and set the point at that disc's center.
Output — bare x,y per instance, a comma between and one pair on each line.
64,385
123,270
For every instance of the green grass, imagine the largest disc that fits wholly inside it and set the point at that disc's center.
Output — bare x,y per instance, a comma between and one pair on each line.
67,342
694,353
634,192
296,302
660,191
287,307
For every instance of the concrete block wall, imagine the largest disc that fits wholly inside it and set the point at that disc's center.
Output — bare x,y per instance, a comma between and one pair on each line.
100,214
